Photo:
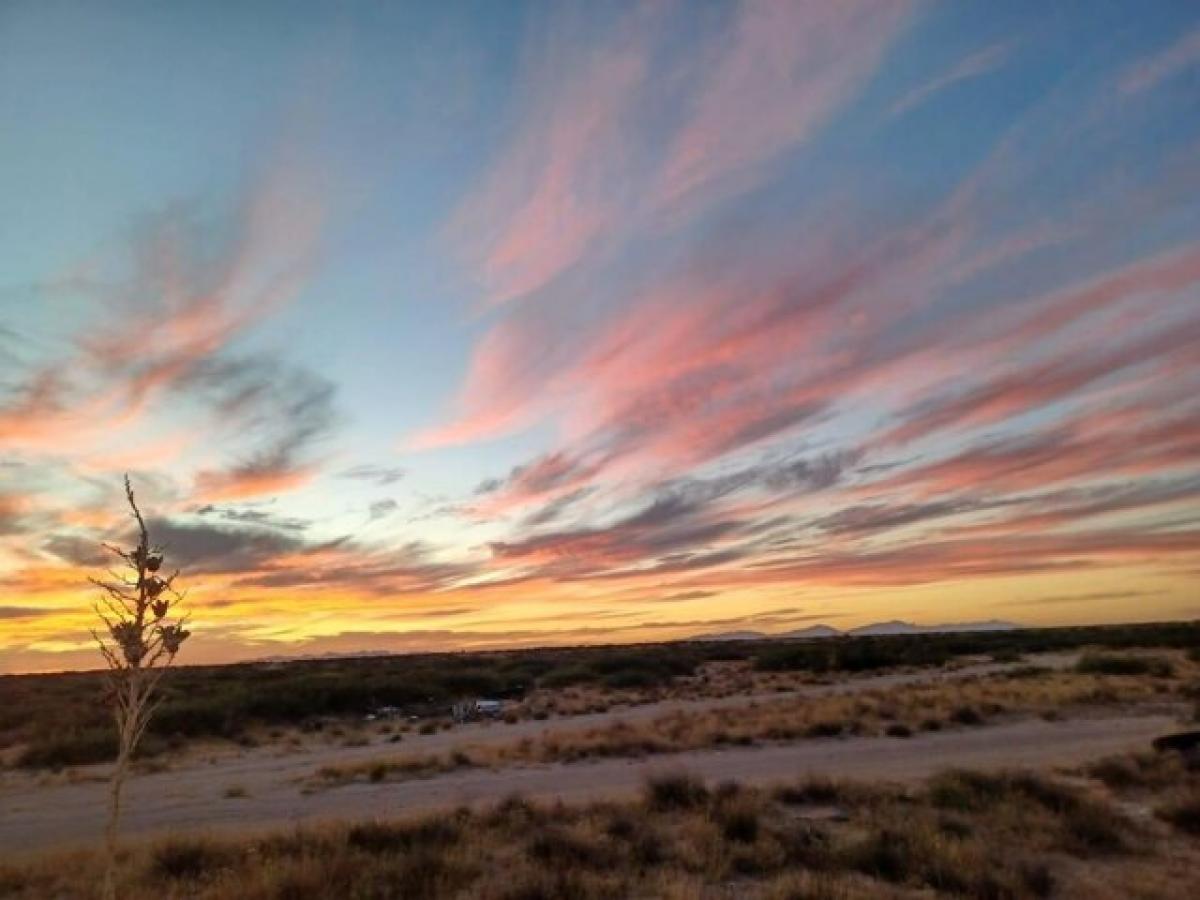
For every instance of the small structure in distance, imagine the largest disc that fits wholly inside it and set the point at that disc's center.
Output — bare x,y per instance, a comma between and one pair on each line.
474,710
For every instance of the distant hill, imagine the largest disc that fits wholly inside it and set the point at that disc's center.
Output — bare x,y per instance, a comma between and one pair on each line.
812,631
900,627
731,636
875,629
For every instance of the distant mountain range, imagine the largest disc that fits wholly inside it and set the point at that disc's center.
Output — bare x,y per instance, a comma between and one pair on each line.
895,626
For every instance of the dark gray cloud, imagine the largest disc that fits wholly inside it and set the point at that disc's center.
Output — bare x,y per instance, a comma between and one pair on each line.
255,517
877,517
200,547
773,476
555,509
284,409
77,550
377,475
675,528
683,596
382,508
546,473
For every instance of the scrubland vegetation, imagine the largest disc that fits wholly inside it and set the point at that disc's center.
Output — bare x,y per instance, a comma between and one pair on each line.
897,712
50,721
1123,827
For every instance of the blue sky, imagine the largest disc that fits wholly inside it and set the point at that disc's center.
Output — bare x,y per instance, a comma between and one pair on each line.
433,325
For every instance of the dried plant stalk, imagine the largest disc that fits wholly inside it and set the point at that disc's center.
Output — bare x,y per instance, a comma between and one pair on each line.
142,633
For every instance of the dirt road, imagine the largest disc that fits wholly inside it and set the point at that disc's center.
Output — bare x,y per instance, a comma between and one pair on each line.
33,818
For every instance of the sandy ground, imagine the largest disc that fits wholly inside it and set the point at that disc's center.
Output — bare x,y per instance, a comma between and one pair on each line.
38,813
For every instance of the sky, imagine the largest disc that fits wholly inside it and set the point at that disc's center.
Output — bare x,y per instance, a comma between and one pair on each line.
435,326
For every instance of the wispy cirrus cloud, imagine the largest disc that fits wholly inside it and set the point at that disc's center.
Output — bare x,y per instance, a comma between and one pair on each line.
286,410
193,288
745,353
976,64
581,170
783,73
1175,59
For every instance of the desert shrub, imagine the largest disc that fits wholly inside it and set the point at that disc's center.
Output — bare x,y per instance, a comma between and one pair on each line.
566,676
966,715
825,729
71,747
421,873
811,790
736,813
1138,770
540,884
1051,795
394,837
1183,814
1028,671
885,853
1084,826
555,846
1037,878
674,791
1124,664
378,772
189,859
899,730
971,791
966,791
1090,830
954,825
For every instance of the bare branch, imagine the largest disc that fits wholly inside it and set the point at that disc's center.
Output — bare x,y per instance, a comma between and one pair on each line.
144,543
112,548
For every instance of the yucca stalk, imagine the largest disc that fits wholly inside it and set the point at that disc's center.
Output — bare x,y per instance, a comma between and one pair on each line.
142,634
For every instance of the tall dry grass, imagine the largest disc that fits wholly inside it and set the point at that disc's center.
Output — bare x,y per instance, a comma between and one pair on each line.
962,834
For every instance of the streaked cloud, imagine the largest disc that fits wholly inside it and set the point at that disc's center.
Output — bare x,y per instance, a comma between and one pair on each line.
978,63
1179,57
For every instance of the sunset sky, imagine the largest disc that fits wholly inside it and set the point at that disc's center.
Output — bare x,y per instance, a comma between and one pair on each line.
454,325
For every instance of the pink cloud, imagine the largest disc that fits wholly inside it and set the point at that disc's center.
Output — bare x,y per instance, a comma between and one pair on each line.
554,193
789,68
249,482
578,176
184,309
